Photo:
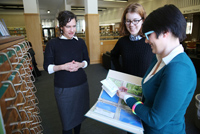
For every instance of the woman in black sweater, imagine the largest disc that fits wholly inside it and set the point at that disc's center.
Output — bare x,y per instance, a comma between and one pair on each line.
66,56
135,54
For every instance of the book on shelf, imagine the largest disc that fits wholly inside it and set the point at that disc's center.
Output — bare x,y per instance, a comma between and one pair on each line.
112,110
3,29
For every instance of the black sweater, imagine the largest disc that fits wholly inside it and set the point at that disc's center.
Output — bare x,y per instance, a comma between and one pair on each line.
59,51
136,56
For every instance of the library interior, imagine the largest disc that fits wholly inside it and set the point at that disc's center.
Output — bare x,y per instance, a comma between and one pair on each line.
26,89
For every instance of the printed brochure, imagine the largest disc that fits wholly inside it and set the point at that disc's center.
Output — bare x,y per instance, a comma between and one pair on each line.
112,110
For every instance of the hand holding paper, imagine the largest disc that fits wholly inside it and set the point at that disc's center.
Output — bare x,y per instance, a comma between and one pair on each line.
110,109
123,89
122,92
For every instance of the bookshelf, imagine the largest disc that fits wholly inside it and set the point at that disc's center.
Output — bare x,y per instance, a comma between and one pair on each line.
17,31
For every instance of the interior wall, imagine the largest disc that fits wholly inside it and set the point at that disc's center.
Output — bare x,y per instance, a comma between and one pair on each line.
111,16
13,20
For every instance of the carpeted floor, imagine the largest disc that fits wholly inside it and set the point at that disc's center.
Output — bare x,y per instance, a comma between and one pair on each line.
95,73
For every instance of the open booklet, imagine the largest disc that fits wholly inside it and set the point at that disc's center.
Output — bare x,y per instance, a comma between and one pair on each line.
113,110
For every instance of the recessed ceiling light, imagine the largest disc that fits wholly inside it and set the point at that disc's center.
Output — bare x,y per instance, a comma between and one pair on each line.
48,11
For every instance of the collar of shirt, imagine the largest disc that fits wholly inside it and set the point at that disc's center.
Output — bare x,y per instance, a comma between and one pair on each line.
179,49
135,38
65,38
164,61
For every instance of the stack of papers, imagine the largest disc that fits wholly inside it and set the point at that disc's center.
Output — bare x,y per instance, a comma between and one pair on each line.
109,86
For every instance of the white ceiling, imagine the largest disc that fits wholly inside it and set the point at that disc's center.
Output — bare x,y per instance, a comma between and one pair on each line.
56,5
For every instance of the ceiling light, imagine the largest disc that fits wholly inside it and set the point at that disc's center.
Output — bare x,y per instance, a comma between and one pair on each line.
48,11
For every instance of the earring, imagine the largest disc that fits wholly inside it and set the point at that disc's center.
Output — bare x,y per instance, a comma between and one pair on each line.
61,31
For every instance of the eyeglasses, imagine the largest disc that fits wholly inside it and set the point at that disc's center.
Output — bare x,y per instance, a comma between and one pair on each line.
135,22
147,34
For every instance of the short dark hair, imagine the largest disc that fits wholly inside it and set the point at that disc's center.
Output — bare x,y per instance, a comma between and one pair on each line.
131,8
64,17
166,18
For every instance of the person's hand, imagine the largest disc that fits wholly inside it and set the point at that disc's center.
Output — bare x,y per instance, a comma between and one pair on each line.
68,66
123,89
72,66
122,92
76,65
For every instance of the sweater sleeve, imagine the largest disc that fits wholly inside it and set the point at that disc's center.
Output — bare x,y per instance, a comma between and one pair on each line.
48,56
115,55
172,98
131,101
85,54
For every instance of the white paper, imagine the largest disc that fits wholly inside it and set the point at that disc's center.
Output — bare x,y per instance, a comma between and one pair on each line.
110,85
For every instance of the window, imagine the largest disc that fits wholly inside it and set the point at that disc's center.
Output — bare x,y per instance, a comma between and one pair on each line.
80,26
189,27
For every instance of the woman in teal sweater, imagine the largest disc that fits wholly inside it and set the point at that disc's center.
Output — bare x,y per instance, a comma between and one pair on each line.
170,81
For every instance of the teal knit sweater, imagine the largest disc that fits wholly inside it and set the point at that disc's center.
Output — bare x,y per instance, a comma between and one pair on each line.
166,96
